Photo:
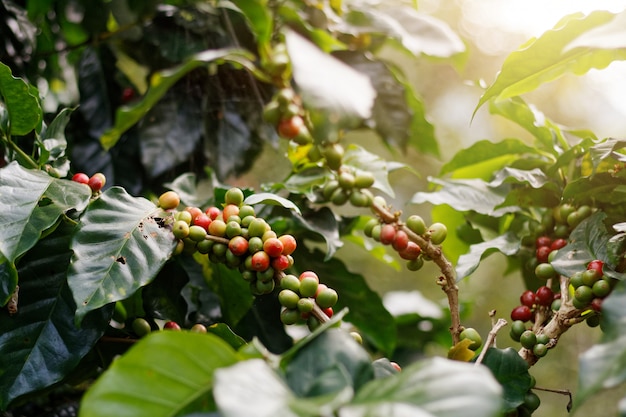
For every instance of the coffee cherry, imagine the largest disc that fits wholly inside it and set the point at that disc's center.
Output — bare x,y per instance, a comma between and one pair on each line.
531,401
328,312
583,294
180,229
198,328
213,212
544,296
305,305
141,327
543,241
197,233
601,288
415,264
289,316
308,286
361,198
528,339
416,224
387,234
288,298
333,154
527,298
234,196
205,246
184,216
400,241
596,265
340,197
281,262
545,270
542,253
412,251
558,244
171,325
169,200
97,181
238,245
260,261
230,210
438,233
217,228
576,280
194,211
273,247
326,298
291,127
289,244
203,220
257,227
471,334
596,304
522,313
590,277
264,287
518,327
364,179
290,282
81,178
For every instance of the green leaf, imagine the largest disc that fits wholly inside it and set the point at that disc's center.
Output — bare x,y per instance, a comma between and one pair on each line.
54,142
118,248
511,371
602,187
191,191
322,223
161,82
25,216
336,95
508,244
40,345
433,387
160,376
588,241
607,149
603,366
361,160
8,280
272,199
22,102
367,311
543,59
232,290
259,18
608,37
329,363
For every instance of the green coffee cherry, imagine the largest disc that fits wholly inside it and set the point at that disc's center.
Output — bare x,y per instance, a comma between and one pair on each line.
438,233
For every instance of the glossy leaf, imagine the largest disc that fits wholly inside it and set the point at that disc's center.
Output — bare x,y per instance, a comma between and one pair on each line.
511,371
324,224
543,60
367,311
26,216
271,199
603,366
433,387
159,376
336,95
40,345
363,161
118,248
8,280
160,83
508,244
22,102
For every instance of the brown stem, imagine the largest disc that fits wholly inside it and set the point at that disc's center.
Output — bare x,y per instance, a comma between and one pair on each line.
448,279
491,339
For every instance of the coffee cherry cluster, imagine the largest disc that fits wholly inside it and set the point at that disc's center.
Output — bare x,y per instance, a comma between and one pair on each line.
350,186
142,327
285,112
96,182
536,342
530,404
236,237
300,295
589,288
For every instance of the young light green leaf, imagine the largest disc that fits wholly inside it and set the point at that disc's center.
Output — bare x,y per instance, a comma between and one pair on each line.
507,244
607,37
434,387
25,216
542,60
119,247
160,83
259,18
160,376
21,101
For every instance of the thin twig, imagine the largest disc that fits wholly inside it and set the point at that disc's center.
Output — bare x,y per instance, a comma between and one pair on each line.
490,339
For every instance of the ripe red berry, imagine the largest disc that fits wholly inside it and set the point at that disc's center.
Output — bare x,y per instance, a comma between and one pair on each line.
260,261
596,304
194,211
81,178
527,298
291,127
395,366
400,241
558,244
543,252
127,94
230,210
387,234
171,325
213,212
281,263
273,247
412,251
596,265
289,244
203,220
97,181
543,241
238,245
522,313
328,311
544,296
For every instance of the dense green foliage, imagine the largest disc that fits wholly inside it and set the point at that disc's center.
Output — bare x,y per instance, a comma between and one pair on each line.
184,96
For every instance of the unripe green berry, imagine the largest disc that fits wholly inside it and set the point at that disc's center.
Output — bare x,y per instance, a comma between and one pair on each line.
471,334
326,298
308,286
290,282
141,327
346,180
180,229
415,264
305,305
288,298
234,196
289,316
416,224
184,216
197,233
334,155
364,179
329,188
528,339
257,227
339,197
438,233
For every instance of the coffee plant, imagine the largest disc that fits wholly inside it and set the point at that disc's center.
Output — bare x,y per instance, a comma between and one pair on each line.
140,275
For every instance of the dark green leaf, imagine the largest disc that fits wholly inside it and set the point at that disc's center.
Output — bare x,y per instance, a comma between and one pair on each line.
329,363
607,149
588,241
232,290
367,312
336,95
170,132
22,102
543,59
258,17
511,371
162,298
118,248
226,334
160,375
191,191
603,366
433,387
602,187
8,281
160,83
272,199
323,223
507,244
22,218
40,344
262,323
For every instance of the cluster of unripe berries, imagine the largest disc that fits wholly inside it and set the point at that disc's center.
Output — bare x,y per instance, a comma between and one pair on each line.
95,182
141,327
392,234
300,295
236,237
350,186
285,112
